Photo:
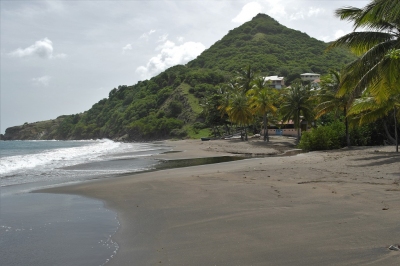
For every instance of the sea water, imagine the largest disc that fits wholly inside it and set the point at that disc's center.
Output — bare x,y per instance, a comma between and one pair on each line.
53,162
52,229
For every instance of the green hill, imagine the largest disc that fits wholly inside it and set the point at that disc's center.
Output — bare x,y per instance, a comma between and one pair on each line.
272,49
168,105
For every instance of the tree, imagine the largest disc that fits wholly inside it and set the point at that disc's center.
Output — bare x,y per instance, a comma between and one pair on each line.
377,45
245,78
331,101
239,110
210,111
297,102
224,93
367,110
261,101
382,98
381,22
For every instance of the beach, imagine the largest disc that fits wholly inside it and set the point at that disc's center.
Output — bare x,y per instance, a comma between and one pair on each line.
320,208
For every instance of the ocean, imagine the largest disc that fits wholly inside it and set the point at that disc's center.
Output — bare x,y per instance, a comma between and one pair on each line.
53,229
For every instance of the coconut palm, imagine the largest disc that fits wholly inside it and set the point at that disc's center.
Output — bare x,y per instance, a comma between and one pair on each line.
225,93
378,48
210,112
261,101
297,102
368,110
331,101
245,78
239,110
381,21
382,97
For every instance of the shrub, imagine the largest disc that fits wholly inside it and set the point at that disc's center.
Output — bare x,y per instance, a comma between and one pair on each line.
198,126
367,135
174,109
324,137
178,133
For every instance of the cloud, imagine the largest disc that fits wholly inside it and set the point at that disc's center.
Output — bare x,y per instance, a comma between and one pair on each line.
42,48
146,35
169,55
248,11
62,55
127,47
303,14
324,38
275,9
297,15
41,81
180,39
162,38
315,11
339,33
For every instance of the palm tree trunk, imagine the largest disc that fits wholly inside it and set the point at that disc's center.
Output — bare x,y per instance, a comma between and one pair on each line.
245,134
266,136
219,132
226,129
347,133
298,135
298,127
346,121
395,130
390,138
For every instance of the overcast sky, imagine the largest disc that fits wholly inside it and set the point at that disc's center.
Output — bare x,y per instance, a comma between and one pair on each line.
61,57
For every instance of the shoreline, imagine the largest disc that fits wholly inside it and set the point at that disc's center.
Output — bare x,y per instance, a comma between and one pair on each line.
338,206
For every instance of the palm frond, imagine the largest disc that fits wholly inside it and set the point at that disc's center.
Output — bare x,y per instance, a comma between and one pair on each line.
325,107
361,42
366,69
375,16
361,105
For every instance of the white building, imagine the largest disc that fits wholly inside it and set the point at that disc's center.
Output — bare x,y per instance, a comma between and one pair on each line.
276,82
310,76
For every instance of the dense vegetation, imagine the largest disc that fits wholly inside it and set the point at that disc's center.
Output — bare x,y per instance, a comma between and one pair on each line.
172,104
367,90
271,49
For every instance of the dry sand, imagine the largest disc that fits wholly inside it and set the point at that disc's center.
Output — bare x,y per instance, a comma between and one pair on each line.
321,208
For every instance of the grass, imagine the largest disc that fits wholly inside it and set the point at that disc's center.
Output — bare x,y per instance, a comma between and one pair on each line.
193,101
205,132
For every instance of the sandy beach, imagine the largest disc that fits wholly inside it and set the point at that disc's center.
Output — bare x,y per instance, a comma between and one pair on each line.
320,208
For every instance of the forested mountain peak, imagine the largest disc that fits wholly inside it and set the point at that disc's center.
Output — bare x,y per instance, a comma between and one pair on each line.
272,49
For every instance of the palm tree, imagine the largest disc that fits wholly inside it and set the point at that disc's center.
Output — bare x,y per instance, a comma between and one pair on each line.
378,48
381,20
297,102
382,97
225,93
261,101
331,101
245,78
239,110
210,112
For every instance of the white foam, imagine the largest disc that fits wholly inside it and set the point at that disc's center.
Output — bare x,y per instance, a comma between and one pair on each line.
54,158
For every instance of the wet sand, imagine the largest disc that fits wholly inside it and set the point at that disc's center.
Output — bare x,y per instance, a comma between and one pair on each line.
320,208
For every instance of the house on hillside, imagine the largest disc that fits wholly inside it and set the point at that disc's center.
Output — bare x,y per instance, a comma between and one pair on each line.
276,82
313,78
310,76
